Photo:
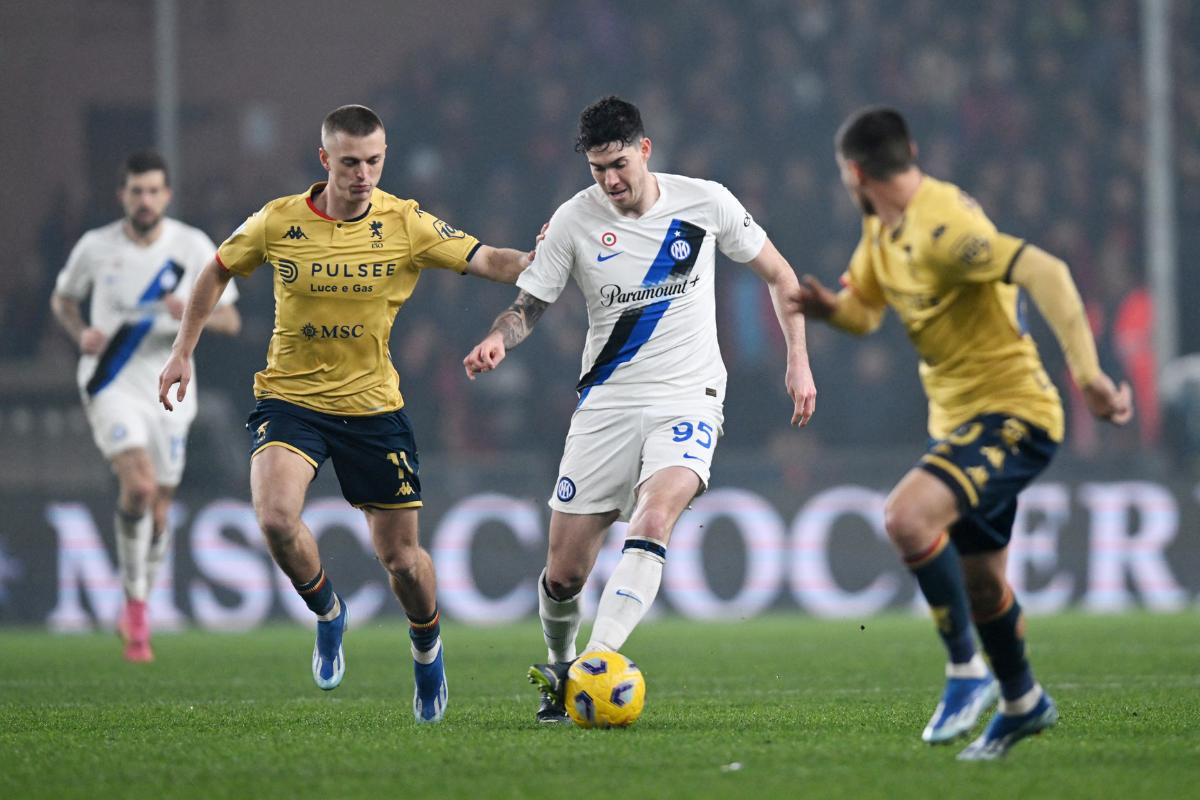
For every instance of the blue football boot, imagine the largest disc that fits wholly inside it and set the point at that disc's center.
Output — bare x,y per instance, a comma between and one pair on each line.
964,700
430,695
1006,730
328,660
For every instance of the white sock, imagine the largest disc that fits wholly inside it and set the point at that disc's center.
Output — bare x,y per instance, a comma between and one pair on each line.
426,656
133,541
155,556
975,668
332,613
627,597
1023,704
560,623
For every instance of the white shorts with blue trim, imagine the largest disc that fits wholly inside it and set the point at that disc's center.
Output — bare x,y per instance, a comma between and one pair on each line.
610,452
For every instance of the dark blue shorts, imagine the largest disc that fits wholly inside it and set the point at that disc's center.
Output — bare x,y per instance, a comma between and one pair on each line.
986,462
375,457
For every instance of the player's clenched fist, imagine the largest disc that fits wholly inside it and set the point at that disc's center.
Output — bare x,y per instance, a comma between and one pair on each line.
485,356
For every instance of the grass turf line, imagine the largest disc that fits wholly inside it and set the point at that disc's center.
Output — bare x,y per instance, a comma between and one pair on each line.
805,707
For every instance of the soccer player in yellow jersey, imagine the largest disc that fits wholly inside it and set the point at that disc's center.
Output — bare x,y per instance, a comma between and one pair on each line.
346,257
929,252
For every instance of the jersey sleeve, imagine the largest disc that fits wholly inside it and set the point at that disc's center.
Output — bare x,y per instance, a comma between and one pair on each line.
76,278
966,245
859,276
738,235
246,248
436,244
546,277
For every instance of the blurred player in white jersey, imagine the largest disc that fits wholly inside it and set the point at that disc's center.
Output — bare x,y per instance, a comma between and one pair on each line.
138,271
641,245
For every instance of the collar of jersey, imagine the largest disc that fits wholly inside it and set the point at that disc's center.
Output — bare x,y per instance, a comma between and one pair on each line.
316,189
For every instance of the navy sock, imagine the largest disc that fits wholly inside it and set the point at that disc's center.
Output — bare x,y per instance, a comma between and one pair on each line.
317,594
939,574
424,634
1003,637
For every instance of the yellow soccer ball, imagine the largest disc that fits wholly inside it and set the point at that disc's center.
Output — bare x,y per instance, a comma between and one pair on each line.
604,690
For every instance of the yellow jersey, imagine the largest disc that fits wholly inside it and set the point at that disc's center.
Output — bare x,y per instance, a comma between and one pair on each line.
945,269
338,286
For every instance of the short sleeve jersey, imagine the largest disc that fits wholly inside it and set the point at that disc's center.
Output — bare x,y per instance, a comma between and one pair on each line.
946,271
338,285
649,287
128,282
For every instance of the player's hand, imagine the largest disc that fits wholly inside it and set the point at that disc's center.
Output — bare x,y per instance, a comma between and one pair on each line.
1107,401
178,369
803,391
174,306
814,299
92,341
537,242
485,356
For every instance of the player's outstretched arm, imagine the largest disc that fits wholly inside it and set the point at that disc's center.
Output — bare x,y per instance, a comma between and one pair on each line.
205,293
843,309
773,268
1049,283
509,330
500,264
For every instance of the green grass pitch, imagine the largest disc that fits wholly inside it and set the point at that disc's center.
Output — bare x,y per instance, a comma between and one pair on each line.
781,706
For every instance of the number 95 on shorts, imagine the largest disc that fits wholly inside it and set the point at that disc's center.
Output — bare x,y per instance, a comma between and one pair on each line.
611,451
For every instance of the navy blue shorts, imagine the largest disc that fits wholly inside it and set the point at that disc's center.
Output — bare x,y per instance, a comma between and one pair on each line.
375,457
986,462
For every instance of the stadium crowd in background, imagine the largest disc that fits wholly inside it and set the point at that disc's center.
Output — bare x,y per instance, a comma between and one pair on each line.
1037,108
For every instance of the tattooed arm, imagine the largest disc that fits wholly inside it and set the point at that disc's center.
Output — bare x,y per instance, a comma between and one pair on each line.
508,331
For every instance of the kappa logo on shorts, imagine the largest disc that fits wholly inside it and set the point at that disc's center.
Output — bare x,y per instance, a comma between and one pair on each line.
566,489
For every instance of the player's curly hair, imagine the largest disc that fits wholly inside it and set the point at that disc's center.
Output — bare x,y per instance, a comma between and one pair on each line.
352,119
877,139
609,119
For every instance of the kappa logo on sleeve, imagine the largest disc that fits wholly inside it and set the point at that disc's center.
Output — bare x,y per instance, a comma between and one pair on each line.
447,231
972,249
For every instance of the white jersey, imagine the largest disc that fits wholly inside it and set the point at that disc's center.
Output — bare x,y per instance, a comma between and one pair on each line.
649,286
128,282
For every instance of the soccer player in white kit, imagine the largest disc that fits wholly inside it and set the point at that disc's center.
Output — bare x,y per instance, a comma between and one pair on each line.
138,271
641,246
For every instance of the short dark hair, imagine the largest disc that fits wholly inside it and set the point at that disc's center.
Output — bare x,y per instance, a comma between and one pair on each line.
609,119
142,162
877,139
352,119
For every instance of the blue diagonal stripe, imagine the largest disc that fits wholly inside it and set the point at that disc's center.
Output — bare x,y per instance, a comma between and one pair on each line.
125,341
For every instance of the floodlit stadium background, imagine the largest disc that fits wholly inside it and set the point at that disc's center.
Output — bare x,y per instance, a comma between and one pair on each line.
1046,111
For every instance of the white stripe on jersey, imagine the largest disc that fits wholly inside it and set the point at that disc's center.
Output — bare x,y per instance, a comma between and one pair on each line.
118,273
649,287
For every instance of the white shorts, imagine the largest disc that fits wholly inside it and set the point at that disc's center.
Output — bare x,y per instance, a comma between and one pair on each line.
610,452
122,420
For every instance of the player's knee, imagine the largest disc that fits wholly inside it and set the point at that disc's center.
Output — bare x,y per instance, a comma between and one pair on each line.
280,525
905,524
137,495
403,563
564,582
